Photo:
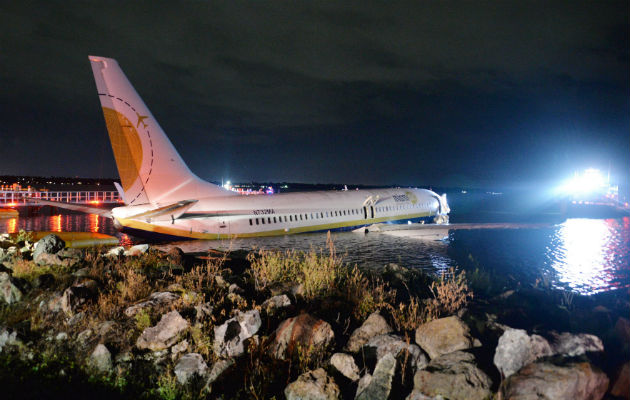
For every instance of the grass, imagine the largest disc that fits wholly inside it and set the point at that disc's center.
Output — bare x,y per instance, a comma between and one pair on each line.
343,295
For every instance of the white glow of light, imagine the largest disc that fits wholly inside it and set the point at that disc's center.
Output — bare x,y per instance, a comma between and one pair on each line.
588,182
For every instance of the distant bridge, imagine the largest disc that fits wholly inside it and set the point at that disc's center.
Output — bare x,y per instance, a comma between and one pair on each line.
12,198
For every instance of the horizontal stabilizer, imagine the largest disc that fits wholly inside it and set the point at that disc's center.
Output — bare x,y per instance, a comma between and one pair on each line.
75,207
170,212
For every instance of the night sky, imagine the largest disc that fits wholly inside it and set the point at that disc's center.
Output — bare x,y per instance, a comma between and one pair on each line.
494,94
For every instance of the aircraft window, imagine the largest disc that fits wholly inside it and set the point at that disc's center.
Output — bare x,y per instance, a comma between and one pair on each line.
256,221
291,218
300,217
250,221
263,221
274,220
321,215
268,220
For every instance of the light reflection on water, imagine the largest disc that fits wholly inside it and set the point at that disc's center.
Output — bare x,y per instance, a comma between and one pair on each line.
588,253
584,255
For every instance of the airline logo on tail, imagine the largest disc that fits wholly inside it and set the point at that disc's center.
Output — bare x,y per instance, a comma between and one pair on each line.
150,169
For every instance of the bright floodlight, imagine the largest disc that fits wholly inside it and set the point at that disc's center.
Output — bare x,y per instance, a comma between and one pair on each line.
588,182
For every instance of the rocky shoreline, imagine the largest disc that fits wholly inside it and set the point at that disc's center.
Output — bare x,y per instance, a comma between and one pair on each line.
140,323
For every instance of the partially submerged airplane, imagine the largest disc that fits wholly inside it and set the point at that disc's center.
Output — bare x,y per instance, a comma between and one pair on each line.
165,200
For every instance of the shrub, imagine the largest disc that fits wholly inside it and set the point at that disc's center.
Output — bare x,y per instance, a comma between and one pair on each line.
407,317
450,293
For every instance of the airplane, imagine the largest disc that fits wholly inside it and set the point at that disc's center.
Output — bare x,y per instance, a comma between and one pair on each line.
164,200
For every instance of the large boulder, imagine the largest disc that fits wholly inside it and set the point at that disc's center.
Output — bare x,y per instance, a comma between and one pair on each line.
100,359
164,334
380,384
374,325
189,366
49,244
516,348
381,345
155,300
344,363
303,331
572,345
546,381
230,337
312,385
453,376
9,293
443,336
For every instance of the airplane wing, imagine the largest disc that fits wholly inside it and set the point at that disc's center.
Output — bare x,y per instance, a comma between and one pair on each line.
75,207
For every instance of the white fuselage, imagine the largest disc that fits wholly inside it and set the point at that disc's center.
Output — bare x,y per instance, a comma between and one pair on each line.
281,214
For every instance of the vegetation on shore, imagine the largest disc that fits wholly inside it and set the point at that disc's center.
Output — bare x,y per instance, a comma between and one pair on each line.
68,303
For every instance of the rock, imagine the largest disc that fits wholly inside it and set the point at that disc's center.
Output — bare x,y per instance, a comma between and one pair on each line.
164,334
344,363
374,325
9,293
49,244
543,380
312,385
82,291
454,376
621,387
221,282
188,366
101,359
572,345
137,250
234,288
516,349
179,348
443,336
8,339
415,395
304,331
115,252
364,382
217,370
229,338
203,312
175,256
61,336
155,300
272,304
49,259
380,384
83,336
379,346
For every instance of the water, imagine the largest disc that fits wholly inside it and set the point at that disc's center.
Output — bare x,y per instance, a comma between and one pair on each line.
586,256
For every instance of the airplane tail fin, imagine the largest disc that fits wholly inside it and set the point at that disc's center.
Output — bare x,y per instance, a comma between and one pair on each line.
150,169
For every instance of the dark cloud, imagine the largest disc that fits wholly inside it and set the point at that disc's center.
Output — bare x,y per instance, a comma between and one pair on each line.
371,92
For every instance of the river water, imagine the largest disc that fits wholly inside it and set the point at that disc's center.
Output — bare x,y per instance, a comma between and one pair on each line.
586,256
